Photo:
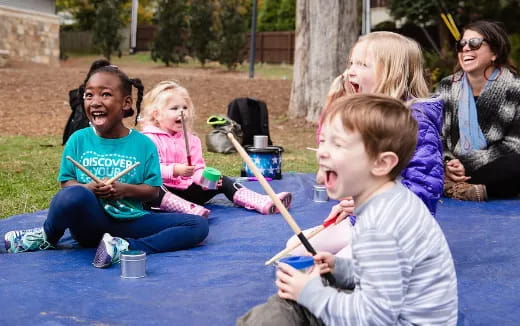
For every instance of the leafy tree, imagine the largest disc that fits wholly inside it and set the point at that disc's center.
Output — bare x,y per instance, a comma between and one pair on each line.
203,16
232,29
286,16
426,12
171,18
106,36
145,11
83,12
268,16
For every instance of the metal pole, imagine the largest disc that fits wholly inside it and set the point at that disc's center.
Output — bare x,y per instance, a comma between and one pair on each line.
252,50
133,26
366,23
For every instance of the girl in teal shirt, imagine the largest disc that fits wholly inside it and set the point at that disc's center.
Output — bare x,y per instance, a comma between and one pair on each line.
110,215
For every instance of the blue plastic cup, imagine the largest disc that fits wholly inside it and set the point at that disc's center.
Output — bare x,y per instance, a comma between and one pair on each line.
302,263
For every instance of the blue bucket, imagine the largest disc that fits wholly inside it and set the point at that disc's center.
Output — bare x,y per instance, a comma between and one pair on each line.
267,159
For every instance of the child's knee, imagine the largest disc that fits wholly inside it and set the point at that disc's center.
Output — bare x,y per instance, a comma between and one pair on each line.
202,228
72,197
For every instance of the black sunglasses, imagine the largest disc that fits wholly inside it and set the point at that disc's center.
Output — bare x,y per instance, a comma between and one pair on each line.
474,43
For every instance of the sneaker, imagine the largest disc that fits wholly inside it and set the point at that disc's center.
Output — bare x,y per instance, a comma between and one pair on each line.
26,240
109,251
465,191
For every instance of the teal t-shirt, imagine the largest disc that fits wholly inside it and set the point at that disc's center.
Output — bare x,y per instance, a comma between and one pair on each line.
106,158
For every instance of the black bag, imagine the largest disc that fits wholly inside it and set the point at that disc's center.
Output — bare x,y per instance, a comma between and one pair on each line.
217,140
252,116
77,119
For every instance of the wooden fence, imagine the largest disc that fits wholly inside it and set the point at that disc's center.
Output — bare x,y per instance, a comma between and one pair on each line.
271,47
81,41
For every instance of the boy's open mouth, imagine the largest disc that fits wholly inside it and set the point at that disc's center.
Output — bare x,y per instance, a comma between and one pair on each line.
355,87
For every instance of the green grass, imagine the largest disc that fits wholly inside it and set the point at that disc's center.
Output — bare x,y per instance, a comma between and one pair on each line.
29,168
28,171
263,70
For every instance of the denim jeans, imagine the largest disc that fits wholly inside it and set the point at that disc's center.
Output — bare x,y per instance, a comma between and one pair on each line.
79,210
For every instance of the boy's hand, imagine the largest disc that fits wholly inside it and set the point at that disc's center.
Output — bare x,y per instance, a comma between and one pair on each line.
325,262
342,210
290,281
183,170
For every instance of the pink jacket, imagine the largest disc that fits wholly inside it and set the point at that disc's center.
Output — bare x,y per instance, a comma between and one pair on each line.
172,150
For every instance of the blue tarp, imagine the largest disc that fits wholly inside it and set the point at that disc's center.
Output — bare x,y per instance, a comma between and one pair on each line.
220,280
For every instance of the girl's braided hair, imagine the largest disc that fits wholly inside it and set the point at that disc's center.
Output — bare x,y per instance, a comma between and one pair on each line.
126,83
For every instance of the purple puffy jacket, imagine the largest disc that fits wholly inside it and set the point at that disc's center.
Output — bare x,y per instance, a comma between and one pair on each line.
424,175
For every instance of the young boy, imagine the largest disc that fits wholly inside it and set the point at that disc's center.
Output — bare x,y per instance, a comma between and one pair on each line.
402,270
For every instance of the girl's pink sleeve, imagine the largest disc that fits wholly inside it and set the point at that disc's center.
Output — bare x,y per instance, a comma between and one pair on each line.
196,158
167,172
166,168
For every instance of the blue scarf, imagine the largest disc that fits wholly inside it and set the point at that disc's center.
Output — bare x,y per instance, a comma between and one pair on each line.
471,136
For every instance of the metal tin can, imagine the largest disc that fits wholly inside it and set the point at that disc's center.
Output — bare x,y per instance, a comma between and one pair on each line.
210,177
260,141
133,264
320,194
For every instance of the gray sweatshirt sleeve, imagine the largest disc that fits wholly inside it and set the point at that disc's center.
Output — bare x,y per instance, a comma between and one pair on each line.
378,297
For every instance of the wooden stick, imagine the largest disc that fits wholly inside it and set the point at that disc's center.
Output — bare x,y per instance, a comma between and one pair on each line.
188,155
454,26
278,203
448,25
122,173
96,179
84,169
309,236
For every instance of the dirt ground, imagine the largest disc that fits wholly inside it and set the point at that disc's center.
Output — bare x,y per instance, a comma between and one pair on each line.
34,98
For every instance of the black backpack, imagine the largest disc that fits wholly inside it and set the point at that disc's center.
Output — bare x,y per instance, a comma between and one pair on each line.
77,119
252,116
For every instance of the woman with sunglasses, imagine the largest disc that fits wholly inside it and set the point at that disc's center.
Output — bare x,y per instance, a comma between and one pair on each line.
481,130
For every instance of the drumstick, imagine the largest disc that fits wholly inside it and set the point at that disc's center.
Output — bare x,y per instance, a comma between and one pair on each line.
313,233
188,155
122,173
278,203
84,169
96,179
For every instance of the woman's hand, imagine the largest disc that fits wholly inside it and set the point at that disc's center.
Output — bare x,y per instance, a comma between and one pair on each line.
455,171
183,170
341,210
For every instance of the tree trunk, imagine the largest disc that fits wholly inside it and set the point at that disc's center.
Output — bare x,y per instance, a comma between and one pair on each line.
325,32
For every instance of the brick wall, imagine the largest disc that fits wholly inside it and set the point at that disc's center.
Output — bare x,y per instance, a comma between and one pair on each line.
29,36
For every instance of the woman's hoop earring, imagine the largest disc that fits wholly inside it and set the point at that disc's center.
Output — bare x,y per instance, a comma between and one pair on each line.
499,71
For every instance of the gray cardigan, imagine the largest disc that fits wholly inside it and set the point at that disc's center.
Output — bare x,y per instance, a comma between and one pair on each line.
498,111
